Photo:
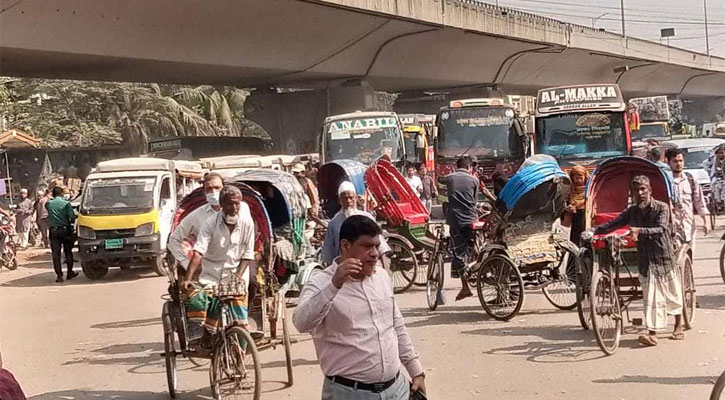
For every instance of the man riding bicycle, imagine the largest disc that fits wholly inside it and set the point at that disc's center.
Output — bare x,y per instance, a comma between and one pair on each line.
462,191
225,246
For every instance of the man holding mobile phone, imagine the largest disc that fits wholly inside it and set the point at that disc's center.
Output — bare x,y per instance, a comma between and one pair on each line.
358,330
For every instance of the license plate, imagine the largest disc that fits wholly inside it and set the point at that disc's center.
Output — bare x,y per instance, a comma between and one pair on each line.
114,244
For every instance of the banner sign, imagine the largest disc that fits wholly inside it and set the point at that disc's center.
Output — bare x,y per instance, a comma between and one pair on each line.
342,129
584,97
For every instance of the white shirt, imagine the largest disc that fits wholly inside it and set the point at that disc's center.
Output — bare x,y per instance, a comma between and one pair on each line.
222,250
188,230
683,215
358,330
416,184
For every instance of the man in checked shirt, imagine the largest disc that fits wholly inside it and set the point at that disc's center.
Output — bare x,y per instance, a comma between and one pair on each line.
357,328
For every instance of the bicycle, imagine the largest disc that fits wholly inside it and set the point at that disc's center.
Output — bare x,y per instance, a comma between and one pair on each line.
717,391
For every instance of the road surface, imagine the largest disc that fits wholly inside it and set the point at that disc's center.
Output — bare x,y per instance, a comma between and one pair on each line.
88,340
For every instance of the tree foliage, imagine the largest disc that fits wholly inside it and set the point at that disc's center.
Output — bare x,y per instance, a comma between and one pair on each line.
74,113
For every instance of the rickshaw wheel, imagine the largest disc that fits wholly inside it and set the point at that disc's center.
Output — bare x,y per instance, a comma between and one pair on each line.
717,391
561,292
606,314
583,283
689,297
722,262
287,347
435,279
500,287
403,266
169,349
236,370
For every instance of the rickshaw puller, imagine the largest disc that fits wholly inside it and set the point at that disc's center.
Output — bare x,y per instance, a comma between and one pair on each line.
225,245
648,220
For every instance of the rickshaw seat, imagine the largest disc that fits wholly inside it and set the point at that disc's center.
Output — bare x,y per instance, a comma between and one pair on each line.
598,240
410,215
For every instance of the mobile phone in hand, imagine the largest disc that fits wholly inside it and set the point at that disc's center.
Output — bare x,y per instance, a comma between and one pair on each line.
417,395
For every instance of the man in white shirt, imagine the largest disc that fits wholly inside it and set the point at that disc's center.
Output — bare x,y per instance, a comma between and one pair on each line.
358,331
225,246
414,181
691,199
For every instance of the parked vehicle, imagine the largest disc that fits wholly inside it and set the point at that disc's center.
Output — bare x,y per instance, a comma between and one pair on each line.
582,125
8,247
362,136
126,212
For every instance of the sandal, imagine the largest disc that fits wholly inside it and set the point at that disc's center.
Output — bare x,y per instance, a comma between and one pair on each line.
647,340
678,335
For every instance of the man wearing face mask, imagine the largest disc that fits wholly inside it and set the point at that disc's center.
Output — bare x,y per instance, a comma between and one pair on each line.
348,202
225,246
648,220
60,224
357,328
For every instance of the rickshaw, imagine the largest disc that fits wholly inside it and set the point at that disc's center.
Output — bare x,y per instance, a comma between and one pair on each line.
607,279
523,251
329,178
406,224
278,212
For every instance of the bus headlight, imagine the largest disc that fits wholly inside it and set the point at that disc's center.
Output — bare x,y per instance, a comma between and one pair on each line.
85,232
145,229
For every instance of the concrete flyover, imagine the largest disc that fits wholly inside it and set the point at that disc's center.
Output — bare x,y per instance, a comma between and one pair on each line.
395,45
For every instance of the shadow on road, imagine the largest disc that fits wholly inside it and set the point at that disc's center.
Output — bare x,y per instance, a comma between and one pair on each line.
712,301
113,394
47,279
138,323
296,363
452,315
661,380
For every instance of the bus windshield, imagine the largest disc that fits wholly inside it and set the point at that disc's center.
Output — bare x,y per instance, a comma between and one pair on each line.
363,139
577,135
479,131
650,131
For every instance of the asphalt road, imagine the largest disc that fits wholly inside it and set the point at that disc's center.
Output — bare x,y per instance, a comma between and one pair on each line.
88,340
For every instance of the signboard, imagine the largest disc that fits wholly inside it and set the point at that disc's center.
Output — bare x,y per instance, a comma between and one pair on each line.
652,109
360,128
584,97
165,145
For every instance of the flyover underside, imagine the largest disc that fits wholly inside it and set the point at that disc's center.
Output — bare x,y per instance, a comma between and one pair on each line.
257,43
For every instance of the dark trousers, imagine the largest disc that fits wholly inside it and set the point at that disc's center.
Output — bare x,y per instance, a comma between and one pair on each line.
61,238
43,227
460,237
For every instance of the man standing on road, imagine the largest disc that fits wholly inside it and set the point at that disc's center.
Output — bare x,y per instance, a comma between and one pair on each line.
310,190
60,223
414,181
648,220
225,246
462,191
429,189
691,199
357,328
348,202
24,218
41,215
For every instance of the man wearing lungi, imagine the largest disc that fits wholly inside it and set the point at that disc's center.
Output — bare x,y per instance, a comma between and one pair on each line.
648,220
225,246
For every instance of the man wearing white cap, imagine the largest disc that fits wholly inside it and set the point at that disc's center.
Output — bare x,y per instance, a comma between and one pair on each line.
348,199
23,218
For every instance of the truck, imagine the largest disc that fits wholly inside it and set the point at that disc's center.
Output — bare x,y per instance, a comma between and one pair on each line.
654,117
126,212
363,136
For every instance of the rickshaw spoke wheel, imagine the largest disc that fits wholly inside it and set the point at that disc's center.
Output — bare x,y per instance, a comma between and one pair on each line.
561,291
717,391
403,265
606,314
689,296
722,263
169,349
435,279
236,371
583,284
500,287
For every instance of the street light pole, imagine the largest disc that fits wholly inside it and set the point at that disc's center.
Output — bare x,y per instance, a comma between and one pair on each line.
624,33
595,19
707,35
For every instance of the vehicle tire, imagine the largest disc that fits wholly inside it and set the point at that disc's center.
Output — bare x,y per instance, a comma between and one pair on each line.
287,346
435,279
689,295
583,283
500,287
403,265
94,270
717,391
160,265
561,291
169,349
606,314
12,264
722,262
244,376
